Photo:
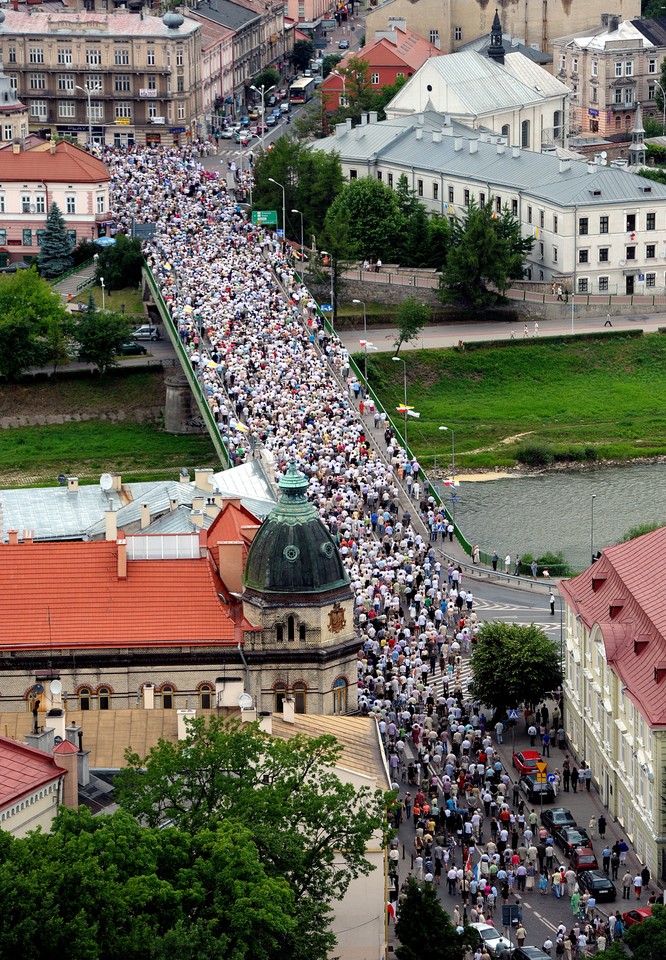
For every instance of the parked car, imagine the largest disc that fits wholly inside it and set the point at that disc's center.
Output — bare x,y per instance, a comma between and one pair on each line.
529,953
571,837
557,817
131,348
146,332
243,138
536,792
284,107
583,858
632,917
272,100
245,121
276,111
271,121
526,761
491,938
254,113
343,44
227,133
597,883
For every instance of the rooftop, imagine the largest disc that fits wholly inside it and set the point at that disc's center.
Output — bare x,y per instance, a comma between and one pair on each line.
231,15
23,769
69,164
130,25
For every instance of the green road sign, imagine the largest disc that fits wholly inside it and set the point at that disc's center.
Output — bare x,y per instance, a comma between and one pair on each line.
265,218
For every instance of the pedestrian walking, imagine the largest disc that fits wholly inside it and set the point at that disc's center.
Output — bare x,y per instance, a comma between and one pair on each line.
551,601
601,827
626,886
536,329
608,321
525,332
495,559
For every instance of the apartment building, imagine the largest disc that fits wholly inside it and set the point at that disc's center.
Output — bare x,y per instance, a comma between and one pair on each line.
610,70
119,78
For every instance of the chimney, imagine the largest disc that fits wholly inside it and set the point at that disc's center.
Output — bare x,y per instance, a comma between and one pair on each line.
148,693
419,133
515,152
117,481
28,536
72,734
364,119
17,146
436,136
55,718
173,504
473,146
372,116
145,516
52,147
197,517
198,502
458,144
72,484
184,476
202,479
349,124
110,523
340,128
565,166
288,710
122,556
591,166
65,756
212,508
500,149
266,722
230,564
182,716
12,537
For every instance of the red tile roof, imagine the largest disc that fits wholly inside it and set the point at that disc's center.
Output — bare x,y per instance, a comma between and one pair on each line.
233,522
623,594
68,595
69,164
23,770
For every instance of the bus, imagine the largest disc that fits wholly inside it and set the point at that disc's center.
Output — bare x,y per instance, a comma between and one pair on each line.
302,90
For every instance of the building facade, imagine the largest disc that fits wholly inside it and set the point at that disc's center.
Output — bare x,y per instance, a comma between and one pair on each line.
615,686
452,24
595,229
31,788
121,78
31,180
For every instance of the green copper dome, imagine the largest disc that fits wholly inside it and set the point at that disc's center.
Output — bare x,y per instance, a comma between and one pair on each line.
293,552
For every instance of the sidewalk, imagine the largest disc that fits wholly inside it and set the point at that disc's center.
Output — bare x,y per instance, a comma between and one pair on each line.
71,284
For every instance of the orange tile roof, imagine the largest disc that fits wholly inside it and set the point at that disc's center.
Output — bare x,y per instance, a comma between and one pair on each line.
622,593
69,164
68,595
23,770
233,522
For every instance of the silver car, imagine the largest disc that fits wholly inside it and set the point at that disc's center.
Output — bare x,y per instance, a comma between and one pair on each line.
491,938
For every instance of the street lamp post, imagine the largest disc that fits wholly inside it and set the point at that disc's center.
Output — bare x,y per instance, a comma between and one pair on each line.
594,497
87,89
404,363
284,208
453,471
573,298
301,216
334,73
367,346
263,93
663,103
101,283
365,333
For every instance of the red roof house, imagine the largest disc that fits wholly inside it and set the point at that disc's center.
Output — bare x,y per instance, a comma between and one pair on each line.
30,787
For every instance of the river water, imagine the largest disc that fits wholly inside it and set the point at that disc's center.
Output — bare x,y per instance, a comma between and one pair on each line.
553,511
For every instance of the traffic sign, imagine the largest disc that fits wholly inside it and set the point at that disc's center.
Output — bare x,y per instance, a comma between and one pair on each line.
541,778
551,778
541,766
513,714
326,308
280,233
264,218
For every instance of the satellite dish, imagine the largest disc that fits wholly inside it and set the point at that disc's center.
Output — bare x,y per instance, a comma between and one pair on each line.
62,479
56,688
245,701
37,689
106,482
57,741
33,208
604,154
623,263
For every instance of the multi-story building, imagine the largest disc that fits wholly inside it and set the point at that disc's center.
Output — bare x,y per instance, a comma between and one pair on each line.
596,229
610,70
450,25
614,703
31,180
13,113
120,78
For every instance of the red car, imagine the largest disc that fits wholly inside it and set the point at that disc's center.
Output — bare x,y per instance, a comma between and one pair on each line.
526,761
583,858
636,916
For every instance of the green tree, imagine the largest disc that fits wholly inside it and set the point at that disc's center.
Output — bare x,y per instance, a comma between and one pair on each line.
121,263
411,318
55,253
643,528
308,827
32,317
302,53
424,928
374,216
101,335
527,659
658,94
485,249
357,88
267,78
331,60
380,98
646,940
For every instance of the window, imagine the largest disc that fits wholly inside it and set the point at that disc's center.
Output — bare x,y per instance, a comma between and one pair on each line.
179,57
123,108
84,698
122,84
181,111
650,251
514,208
629,68
603,224
280,694
65,55
618,68
505,130
121,57
70,203
628,96
555,254
299,691
594,94
279,633
389,179
555,223
529,214
650,221
152,83
583,256
574,64
400,75
104,698
40,237
66,82
96,111
93,57
340,687
618,95
651,91
525,134
13,81
7,132
38,109
167,697
466,198
36,55
451,194
583,285
594,69
71,236
379,175
603,254
631,253
290,629
583,227
374,78
652,65
434,36
67,109
457,33
563,61
150,57
435,190
301,633
206,696
180,85
353,174
650,279
38,81
11,54
100,203
2,206
482,199
498,204
419,188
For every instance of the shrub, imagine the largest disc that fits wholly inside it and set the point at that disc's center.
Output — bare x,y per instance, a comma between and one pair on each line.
534,454
555,564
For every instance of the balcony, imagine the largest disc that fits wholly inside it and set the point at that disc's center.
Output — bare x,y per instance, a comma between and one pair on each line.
622,107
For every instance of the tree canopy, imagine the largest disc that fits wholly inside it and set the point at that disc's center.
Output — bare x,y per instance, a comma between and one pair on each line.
643,941
302,53
308,827
374,215
424,928
101,334
55,252
33,320
411,318
121,263
513,664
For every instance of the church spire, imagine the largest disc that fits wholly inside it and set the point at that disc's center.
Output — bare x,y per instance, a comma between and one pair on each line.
637,148
496,48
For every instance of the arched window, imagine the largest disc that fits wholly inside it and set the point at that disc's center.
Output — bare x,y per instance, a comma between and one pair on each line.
301,633
525,134
206,696
167,697
505,130
280,692
299,693
340,687
85,698
279,632
290,629
104,695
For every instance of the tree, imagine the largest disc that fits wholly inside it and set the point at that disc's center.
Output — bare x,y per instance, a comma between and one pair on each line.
528,661
357,88
424,928
32,318
267,78
309,828
383,96
485,248
302,53
374,216
411,318
120,264
330,61
55,254
101,335
646,940
640,530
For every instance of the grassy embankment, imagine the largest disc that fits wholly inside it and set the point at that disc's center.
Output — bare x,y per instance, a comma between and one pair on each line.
582,400
35,455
